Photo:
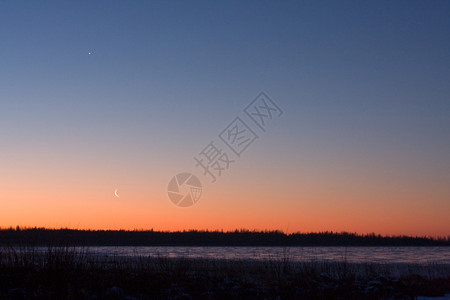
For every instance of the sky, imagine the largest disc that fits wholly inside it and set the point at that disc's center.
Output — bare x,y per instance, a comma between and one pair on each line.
98,97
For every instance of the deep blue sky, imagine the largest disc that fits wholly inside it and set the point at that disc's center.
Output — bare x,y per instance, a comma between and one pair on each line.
364,86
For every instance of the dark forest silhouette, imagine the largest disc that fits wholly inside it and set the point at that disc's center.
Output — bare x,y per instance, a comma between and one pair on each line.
43,237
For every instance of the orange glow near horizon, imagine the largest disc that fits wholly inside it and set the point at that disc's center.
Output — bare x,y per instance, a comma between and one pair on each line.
314,209
324,117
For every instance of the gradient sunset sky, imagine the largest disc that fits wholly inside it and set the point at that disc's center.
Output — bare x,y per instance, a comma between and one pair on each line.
99,95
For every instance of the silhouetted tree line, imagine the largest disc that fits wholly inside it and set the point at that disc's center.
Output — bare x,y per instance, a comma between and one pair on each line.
44,237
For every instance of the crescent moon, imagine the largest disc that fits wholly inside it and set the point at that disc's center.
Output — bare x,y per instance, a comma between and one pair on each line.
115,193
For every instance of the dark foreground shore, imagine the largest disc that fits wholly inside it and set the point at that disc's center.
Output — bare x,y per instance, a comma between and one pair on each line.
65,273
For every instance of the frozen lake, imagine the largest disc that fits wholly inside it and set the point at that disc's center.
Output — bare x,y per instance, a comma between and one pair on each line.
421,255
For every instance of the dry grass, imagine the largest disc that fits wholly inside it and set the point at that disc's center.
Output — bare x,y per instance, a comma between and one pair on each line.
74,273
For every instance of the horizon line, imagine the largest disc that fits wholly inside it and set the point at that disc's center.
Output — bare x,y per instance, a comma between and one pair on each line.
240,230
